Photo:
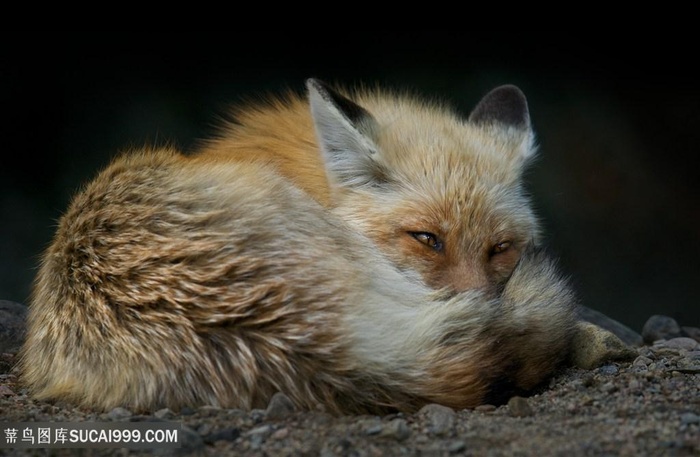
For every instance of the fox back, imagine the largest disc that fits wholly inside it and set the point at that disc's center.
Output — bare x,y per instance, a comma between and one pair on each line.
359,251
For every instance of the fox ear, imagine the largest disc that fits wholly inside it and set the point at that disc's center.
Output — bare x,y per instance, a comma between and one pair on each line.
506,106
344,130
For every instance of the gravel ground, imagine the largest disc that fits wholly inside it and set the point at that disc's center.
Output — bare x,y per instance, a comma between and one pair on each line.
647,407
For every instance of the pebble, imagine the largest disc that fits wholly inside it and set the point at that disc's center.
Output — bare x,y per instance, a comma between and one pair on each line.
642,361
191,441
257,415
187,411
441,418
280,406
689,370
660,327
372,427
208,411
519,407
690,418
258,435
119,413
262,430
485,408
682,342
336,447
164,413
608,387
456,446
280,434
205,429
608,370
4,390
397,429
225,434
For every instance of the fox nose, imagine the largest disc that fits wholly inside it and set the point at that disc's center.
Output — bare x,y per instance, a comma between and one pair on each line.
471,276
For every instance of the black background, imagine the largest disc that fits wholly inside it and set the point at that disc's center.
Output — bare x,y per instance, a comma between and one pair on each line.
618,124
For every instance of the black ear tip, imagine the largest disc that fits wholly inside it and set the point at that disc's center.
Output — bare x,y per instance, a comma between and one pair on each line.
316,84
506,104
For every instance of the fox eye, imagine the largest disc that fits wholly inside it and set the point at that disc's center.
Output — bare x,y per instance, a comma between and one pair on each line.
428,239
500,247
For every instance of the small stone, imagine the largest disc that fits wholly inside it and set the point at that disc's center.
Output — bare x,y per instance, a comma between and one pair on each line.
256,442
592,346
190,441
659,327
6,391
441,418
187,411
119,413
519,407
397,429
336,446
682,342
164,413
280,434
226,434
280,406
204,429
485,408
258,436
456,446
422,439
588,380
372,427
374,451
690,418
608,388
642,361
634,385
257,415
608,370
689,370
208,411
262,430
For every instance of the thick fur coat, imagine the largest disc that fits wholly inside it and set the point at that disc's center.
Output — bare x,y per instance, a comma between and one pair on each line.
358,251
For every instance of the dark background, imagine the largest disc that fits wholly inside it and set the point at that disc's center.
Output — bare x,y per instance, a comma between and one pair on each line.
618,125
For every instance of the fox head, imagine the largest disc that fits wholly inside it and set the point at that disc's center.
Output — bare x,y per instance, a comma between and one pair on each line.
442,196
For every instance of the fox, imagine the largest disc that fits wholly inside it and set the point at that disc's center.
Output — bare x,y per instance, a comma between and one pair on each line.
359,250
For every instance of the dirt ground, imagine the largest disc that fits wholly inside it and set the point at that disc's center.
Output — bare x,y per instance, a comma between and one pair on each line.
646,407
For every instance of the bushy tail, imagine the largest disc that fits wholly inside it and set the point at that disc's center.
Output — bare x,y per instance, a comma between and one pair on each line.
471,350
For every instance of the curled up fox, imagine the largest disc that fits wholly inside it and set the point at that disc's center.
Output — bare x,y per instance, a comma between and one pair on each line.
357,250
